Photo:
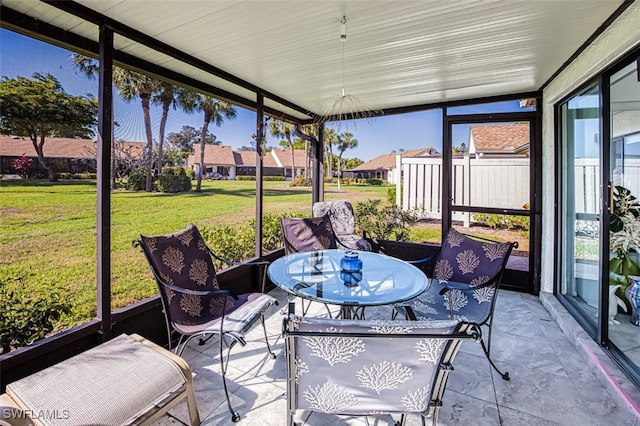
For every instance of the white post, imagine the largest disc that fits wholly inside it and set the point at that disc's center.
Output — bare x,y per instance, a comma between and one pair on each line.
466,187
398,175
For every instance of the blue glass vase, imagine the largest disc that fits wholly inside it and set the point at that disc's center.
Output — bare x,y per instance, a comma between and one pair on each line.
633,296
351,266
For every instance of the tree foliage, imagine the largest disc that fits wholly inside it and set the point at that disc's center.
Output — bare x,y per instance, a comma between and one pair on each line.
187,137
39,108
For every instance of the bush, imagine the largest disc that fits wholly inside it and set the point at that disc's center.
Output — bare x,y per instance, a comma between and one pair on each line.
175,180
374,181
272,178
136,182
246,178
191,173
391,195
384,221
301,181
25,318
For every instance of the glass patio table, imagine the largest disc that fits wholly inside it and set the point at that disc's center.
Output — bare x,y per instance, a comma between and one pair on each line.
317,276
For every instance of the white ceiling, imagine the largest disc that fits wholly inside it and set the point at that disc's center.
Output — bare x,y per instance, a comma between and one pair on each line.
397,54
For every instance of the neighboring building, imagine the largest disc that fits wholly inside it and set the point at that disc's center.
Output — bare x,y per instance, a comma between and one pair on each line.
67,154
217,159
382,167
499,141
229,163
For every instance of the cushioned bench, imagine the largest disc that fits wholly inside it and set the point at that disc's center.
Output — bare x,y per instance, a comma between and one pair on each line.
127,380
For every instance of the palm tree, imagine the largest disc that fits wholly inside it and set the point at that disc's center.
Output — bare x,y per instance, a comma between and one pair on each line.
330,139
345,141
132,84
214,110
282,129
168,96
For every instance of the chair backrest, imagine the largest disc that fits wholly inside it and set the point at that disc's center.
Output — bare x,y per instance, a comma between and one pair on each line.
343,219
478,263
363,367
307,234
466,260
182,267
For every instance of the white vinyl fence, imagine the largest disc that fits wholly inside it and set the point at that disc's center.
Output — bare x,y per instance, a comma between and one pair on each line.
497,183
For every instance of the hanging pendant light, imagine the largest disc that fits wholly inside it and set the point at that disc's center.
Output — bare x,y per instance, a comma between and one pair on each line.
346,107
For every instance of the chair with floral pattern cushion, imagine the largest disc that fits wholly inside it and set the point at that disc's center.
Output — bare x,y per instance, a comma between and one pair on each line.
370,367
464,286
343,221
307,234
193,302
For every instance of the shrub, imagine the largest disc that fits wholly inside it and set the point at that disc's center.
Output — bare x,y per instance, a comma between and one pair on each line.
391,195
175,180
25,318
22,165
301,181
272,178
191,173
246,178
385,221
374,181
136,182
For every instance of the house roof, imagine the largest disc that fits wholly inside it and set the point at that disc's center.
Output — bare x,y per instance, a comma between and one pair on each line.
397,54
61,147
245,158
507,138
282,157
388,161
219,155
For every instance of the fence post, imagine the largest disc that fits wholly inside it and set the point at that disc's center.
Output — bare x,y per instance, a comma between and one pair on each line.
466,187
398,178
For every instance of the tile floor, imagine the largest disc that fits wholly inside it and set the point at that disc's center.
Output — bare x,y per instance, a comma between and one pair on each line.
551,383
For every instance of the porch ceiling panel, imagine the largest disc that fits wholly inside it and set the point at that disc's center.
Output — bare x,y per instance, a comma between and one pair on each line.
397,54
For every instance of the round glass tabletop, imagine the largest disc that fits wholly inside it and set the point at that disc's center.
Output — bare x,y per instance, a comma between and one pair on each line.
317,276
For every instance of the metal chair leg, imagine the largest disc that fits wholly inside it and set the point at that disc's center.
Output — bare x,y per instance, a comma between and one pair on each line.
505,375
235,417
266,339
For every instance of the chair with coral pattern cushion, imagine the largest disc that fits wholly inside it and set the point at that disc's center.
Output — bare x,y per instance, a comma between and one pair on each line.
193,302
464,286
370,367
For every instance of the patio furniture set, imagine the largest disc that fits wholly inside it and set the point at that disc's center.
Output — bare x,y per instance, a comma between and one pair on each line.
343,365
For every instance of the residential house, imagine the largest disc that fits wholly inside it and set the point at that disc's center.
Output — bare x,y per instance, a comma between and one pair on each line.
383,166
66,154
497,141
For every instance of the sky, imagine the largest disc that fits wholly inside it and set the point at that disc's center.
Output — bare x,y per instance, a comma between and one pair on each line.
23,56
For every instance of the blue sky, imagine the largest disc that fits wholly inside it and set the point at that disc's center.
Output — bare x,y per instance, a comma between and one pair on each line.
22,56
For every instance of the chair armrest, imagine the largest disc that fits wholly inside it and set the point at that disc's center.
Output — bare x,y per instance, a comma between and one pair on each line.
198,292
466,287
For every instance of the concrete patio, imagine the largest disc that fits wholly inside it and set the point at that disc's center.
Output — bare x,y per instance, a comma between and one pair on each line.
552,382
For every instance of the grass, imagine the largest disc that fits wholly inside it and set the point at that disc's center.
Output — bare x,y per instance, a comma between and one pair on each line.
48,231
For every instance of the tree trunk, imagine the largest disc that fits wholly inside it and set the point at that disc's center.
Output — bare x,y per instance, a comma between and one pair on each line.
330,162
163,122
339,169
51,173
144,98
203,135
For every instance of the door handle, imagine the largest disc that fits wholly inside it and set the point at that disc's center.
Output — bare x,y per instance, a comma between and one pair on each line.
611,208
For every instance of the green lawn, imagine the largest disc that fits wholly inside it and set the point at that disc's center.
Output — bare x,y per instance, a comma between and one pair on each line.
48,231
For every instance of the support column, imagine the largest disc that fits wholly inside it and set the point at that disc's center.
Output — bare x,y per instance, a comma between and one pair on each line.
260,134
317,161
105,140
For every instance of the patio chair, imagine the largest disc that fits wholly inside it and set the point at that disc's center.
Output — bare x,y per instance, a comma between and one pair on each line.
343,221
308,234
193,302
370,367
464,286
